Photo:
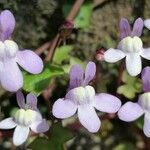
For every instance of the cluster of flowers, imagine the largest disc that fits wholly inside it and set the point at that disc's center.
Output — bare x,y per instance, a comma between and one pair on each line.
81,97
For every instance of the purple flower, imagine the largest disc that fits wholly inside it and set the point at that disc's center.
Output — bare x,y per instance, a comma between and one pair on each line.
10,75
131,111
26,118
81,98
130,47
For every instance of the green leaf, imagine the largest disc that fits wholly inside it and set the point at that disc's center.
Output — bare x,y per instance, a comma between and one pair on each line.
83,18
58,136
131,87
62,53
37,83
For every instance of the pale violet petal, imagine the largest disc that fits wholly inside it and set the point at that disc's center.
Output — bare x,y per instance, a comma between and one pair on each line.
29,61
146,79
40,126
76,76
137,27
147,23
107,103
133,64
130,111
20,135
88,118
7,123
63,108
20,99
10,76
146,127
113,55
89,73
7,24
125,29
146,53
32,101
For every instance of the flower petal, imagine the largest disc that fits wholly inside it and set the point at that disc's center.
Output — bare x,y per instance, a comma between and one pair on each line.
7,24
146,127
32,101
137,28
133,64
63,108
10,76
107,103
29,61
146,79
125,29
89,72
146,53
7,123
130,111
88,118
76,76
40,126
20,99
20,135
113,55
147,23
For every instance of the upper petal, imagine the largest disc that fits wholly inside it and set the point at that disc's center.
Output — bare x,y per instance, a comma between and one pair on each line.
29,61
10,76
146,79
20,135
146,53
125,29
146,127
63,108
7,123
137,28
89,72
130,111
107,103
40,126
7,24
20,99
133,64
147,23
88,118
113,55
32,101
76,76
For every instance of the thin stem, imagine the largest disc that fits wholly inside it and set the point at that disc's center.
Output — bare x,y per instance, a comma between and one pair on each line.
57,40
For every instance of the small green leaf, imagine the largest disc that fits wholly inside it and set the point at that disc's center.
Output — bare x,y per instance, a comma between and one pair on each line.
62,53
131,87
37,83
58,136
84,16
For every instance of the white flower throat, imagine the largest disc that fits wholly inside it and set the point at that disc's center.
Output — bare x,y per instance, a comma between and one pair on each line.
82,95
25,117
144,101
8,48
131,44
